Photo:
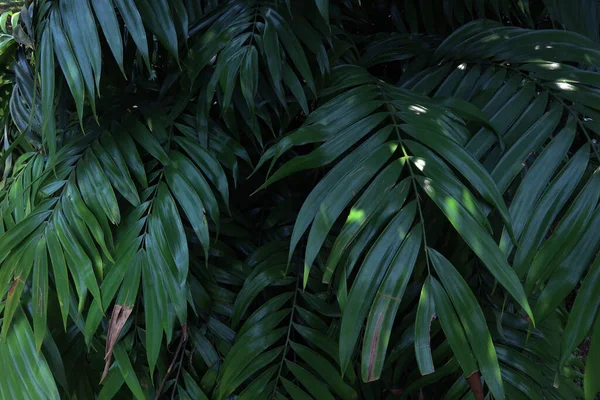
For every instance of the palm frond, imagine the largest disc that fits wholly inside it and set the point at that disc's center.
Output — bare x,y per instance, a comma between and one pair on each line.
267,199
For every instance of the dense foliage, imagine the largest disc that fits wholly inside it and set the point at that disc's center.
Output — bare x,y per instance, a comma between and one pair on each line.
269,199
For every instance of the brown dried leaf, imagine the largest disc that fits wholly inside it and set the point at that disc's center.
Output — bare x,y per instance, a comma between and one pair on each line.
118,318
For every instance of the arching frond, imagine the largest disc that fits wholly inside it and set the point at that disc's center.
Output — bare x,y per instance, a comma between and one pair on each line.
267,199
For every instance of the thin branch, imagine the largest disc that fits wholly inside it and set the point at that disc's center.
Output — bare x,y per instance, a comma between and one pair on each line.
183,340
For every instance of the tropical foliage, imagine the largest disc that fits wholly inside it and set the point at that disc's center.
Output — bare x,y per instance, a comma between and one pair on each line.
269,199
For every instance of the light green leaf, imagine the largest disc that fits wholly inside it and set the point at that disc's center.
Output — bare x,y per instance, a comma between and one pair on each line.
29,376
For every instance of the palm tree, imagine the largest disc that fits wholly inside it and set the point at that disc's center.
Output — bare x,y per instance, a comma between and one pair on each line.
269,199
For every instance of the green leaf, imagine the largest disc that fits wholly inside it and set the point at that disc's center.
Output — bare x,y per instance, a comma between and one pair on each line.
82,22
273,55
337,199
390,207
159,252
192,388
111,385
154,301
312,384
90,174
433,167
361,213
385,306
266,274
261,386
208,164
249,76
117,175
241,356
468,166
184,167
292,47
325,370
472,319
67,62
469,111
512,162
128,372
3,20
156,14
59,267
82,212
47,81
529,117
534,183
324,343
583,313
192,205
133,20
81,43
504,108
174,232
452,328
256,365
131,284
368,279
228,76
323,6
126,148
181,17
40,292
568,273
293,83
425,315
82,236
13,297
271,306
548,207
77,260
146,139
105,13
15,235
29,376
478,240
592,366
566,234
317,195
294,391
